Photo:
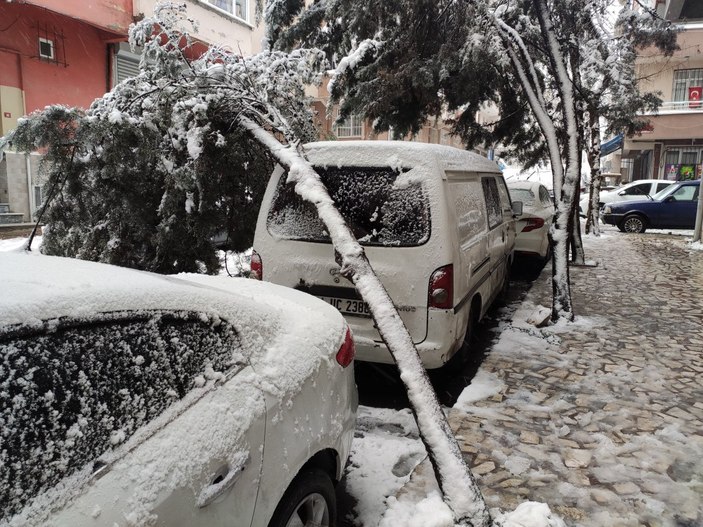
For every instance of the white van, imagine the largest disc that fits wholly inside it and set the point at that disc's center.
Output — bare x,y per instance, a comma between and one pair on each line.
437,226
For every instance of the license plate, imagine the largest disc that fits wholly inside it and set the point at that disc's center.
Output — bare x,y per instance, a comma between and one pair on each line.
349,306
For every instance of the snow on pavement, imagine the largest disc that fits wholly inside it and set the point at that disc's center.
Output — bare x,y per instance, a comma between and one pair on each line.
600,420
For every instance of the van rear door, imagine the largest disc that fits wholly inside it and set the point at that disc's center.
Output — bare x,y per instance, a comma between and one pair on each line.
390,220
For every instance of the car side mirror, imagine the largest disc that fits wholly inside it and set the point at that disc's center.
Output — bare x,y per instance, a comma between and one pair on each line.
621,193
517,208
670,199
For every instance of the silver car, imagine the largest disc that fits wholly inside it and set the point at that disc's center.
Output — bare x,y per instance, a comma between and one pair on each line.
128,398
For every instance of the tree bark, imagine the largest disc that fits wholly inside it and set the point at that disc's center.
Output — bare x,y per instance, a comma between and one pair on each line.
593,154
454,477
561,284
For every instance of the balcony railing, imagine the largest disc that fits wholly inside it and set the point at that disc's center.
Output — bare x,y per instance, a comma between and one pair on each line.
671,107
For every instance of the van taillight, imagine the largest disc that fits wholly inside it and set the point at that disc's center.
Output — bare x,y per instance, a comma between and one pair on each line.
532,224
257,268
441,292
346,352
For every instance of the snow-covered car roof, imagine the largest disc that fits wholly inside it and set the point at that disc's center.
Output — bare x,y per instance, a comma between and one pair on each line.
523,184
396,153
37,288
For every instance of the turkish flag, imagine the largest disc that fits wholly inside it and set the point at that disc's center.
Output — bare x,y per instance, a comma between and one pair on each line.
694,96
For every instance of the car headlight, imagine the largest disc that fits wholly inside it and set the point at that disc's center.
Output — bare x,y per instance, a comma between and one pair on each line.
607,209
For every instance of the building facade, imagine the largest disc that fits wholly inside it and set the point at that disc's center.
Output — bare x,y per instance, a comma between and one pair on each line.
71,52
672,146
356,128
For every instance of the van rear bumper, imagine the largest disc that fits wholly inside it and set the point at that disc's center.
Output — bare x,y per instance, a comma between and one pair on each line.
435,350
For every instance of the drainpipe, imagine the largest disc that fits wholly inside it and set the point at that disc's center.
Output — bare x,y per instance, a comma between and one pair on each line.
30,187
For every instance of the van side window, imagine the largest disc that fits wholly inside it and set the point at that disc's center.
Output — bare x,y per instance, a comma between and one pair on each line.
504,195
377,211
72,390
490,194
470,209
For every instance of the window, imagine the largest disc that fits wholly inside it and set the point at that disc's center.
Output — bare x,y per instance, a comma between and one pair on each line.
686,193
470,209
46,49
544,196
377,211
38,198
349,127
637,190
490,194
684,80
238,8
76,389
524,195
661,186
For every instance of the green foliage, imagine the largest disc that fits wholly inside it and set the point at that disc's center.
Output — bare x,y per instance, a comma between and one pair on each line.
154,169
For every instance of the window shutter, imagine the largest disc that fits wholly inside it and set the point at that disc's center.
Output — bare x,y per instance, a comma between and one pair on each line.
126,66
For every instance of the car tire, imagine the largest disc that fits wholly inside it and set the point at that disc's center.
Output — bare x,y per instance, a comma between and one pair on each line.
309,501
634,223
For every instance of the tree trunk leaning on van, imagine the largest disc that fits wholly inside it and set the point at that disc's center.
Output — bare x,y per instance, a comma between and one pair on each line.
453,475
193,105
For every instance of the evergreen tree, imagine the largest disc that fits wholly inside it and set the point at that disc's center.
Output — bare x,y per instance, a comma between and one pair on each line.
401,62
151,171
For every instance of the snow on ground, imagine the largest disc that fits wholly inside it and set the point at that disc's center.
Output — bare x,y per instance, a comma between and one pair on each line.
18,244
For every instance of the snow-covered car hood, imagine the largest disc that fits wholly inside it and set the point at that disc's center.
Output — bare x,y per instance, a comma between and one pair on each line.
272,320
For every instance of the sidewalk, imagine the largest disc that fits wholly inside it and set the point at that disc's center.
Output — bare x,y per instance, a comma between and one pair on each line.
602,419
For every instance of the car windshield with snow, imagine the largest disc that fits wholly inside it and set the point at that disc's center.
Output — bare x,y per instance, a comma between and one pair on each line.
127,397
375,207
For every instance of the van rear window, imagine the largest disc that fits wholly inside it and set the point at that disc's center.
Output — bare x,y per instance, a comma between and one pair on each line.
377,211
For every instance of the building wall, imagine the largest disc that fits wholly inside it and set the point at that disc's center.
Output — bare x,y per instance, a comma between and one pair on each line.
216,26
76,77
657,72
111,15
677,128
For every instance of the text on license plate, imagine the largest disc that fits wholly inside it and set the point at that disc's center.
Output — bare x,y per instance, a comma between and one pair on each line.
349,306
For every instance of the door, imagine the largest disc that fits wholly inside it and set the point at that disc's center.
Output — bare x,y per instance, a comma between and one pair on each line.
126,416
679,208
496,232
392,223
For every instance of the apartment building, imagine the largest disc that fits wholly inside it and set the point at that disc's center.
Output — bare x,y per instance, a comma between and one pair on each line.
73,51
672,146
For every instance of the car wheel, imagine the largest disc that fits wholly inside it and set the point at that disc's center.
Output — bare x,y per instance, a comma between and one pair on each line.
634,223
308,502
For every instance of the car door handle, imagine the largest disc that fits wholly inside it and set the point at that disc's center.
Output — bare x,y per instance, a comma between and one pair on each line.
221,484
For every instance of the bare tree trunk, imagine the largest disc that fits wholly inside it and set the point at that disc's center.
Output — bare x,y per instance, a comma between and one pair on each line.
455,480
565,176
593,154
561,284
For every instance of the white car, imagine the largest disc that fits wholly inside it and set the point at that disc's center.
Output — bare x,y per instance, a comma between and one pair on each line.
129,398
636,190
537,215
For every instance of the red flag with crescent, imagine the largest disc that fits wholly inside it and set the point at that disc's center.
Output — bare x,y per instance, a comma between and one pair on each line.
694,96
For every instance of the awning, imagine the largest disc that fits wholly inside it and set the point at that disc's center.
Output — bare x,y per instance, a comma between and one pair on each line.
611,145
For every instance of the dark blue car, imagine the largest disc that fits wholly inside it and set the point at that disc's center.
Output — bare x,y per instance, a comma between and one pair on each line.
672,208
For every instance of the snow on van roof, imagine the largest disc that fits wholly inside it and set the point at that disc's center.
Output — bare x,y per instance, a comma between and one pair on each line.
397,153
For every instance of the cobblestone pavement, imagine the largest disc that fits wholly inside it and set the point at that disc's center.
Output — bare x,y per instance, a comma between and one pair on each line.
603,420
